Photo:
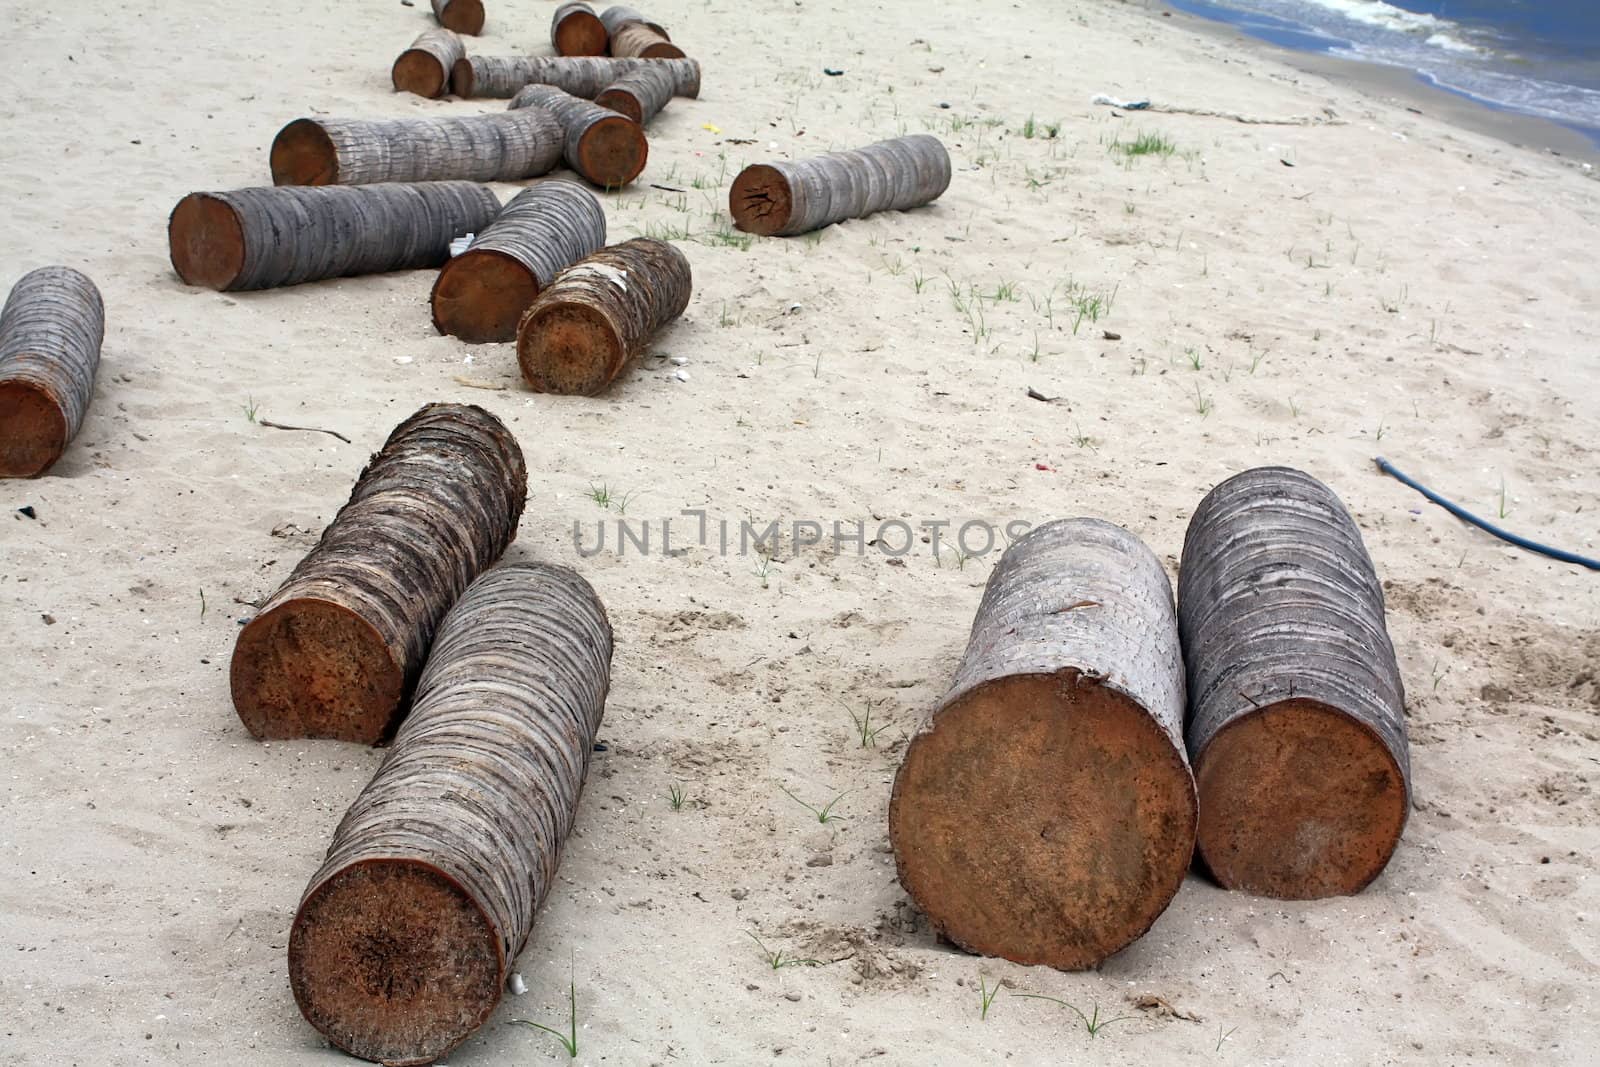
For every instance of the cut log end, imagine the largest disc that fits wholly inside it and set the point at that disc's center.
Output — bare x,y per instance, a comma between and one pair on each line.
206,239
419,72
569,349
613,151
33,430
1044,819
463,79
304,154
1266,824
623,103
311,668
760,200
580,33
462,16
480,296
392,961
663,50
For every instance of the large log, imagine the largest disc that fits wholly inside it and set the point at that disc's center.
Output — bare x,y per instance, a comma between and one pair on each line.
597,315
789,198
576,30
501,147
1047,814
639,94
617,16
425,67
50,334
262,238
604,147
462,16
502,77
335,651
635,39
1296,708
403,940
481,294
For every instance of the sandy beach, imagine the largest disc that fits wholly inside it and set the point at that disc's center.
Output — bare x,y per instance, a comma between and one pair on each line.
1313,276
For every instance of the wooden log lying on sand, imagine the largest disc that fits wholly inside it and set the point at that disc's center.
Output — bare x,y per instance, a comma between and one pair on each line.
263,238
577,31
617,16
462,16
425,67
484,148
50,334
606,148
635,39
1047,814
502,77
639,94
585,326
789,198
481,294
405,935
335,651
1297,712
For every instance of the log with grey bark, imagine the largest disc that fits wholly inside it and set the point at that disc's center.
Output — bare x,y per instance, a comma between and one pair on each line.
636,39
789,198
576,30
425,67
604,147
462,16
580,333
481,294
502,77
262,238
506,146
639,94
50,334
1296,708
1047,813
335,651
617,16
406,934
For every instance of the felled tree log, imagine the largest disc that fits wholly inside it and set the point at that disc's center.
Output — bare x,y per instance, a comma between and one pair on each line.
606,148
498,147
502,77
50,334
639,40
425,67
617,16
639,94
262,238
789,198
405,935
462,16
1047,814
1296,710
481,294
577,31
581,331
335,651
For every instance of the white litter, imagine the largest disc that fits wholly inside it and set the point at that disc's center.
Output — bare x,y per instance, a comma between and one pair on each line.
681,375
678,361
461,244
515,985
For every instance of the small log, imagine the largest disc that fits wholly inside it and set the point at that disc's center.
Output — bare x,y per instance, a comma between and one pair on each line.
580,333
502,77
577,31
481,294
617,16
462,16
486,148
263,238
425,67
635,39
788,198
1296,711
50,334
405,936
606,148
335,651
639,94
1047,814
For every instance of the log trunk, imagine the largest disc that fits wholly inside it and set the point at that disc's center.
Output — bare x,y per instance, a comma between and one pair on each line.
481,294
502,77
1297,712
1047,814
640,94
789,198
263,238
582,330
404,937
617,16
336,649
606,148
425,67
637,40
50,334
577,31
462,16
481,148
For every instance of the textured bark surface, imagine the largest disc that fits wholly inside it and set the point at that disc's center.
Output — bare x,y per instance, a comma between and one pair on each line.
481,294
639,94
50,334
403,939
262,238
576,30
336,649
462,16
502,77
789,198
604,147
425,67
582,330
1047,814
1296,710
637,40
618,15
483,148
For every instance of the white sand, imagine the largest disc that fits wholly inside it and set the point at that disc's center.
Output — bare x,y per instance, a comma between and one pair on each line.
1403,278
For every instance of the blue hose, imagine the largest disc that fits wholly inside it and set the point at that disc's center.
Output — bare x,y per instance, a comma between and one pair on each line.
1466,516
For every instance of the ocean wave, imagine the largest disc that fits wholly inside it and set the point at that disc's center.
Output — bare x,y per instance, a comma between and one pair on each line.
1386,16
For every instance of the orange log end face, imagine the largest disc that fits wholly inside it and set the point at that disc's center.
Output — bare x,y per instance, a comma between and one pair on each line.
206,240
303,154
420,72
33,430
480,296
581,33
760,200
623,103
463,16
613,152
570,349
